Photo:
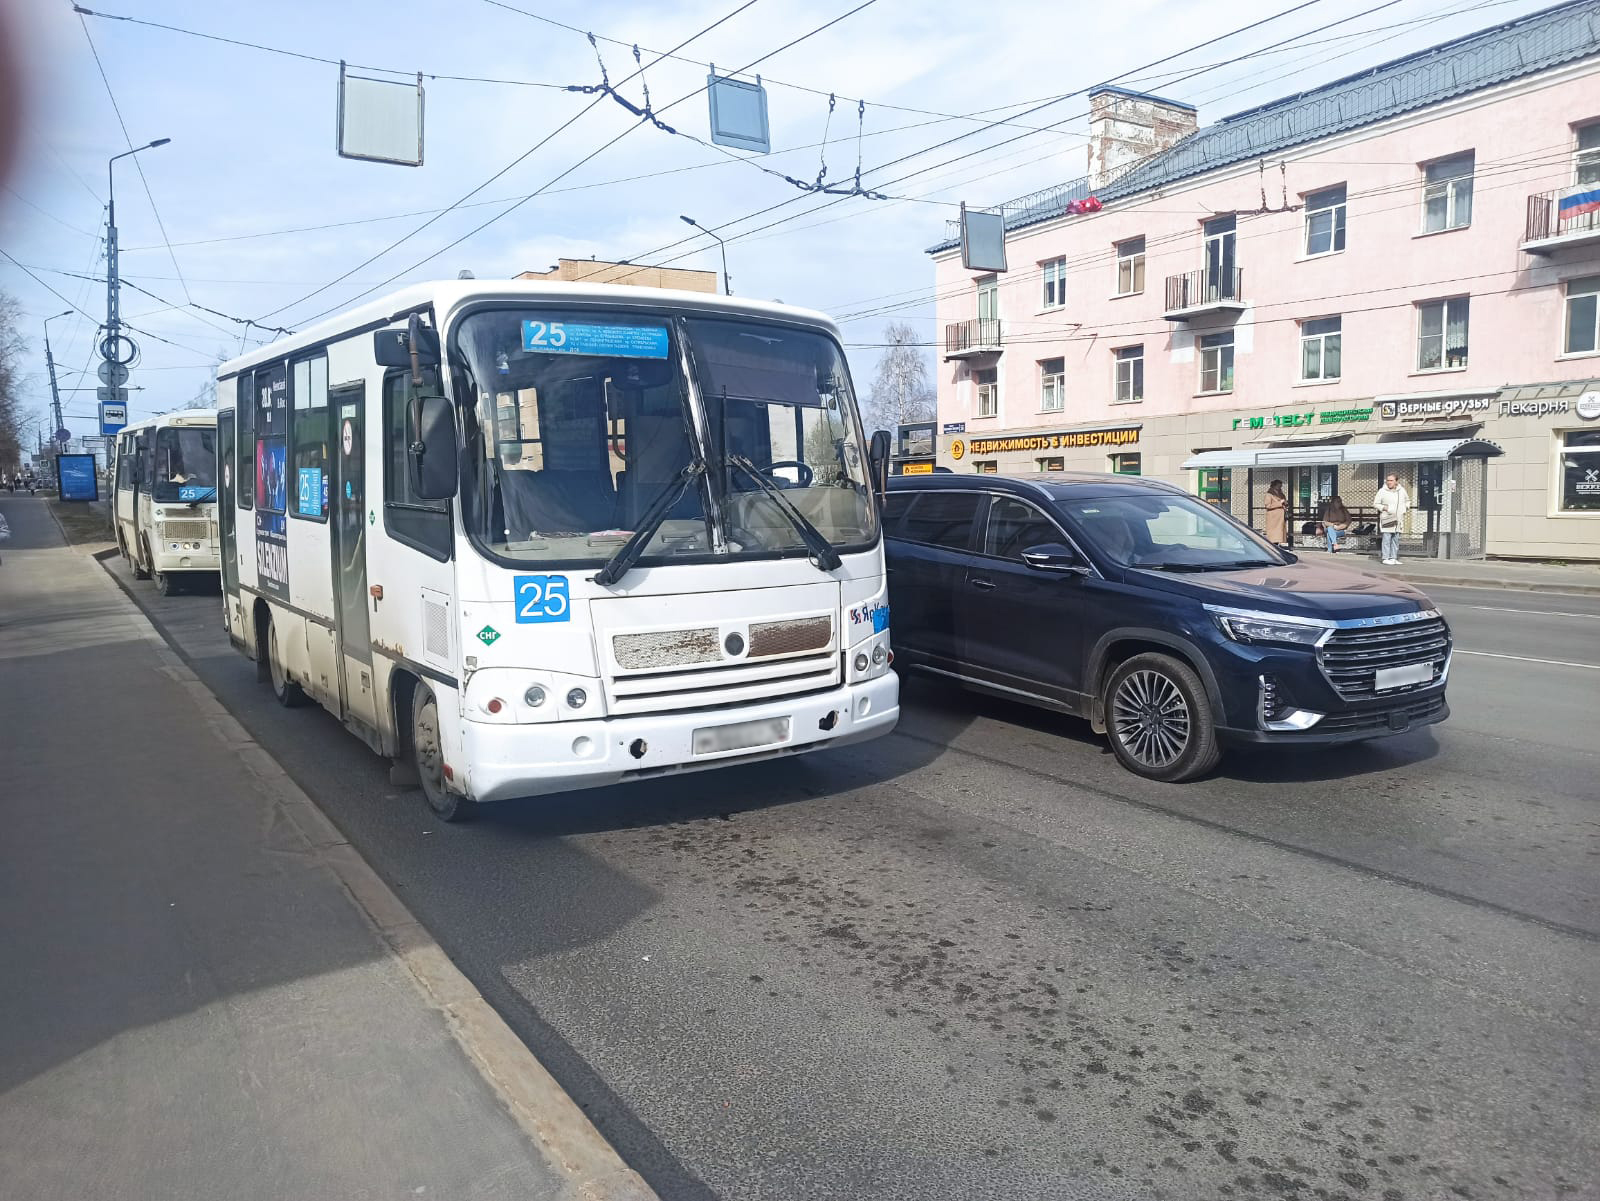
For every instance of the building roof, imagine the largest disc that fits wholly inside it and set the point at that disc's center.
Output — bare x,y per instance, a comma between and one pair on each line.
1537,42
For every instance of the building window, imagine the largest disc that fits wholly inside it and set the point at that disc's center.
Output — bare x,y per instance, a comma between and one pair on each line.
986,466
1054,463
1125,464
1055,283
1447,193
1215,486
1583,316
1586,165
1442,334
1052,385
1320,348
308,398
988,380
1130,267
1580,471
1325,221
1216,362
988,298
1129,374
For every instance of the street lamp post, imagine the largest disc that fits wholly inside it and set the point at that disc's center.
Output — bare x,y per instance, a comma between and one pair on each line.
113,284
50,365
723,246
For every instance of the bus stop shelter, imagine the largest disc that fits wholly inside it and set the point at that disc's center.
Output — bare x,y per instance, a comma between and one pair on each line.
1447,479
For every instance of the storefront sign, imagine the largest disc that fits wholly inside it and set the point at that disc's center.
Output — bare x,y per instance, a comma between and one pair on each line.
1310,417
916,469
1586,406
1452,406
1065,440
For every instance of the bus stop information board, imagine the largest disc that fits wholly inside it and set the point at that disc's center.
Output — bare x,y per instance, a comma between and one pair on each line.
78,478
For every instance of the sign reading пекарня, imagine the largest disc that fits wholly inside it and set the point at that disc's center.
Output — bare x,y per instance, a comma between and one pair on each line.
1121,436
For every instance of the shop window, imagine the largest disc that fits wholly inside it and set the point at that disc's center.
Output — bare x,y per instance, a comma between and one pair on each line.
1216,362
1447,193
1126,464
942,519
1320,348
308,399
1129,374
1052,385
1583,315
1215,486
988,381
1055,283
1580,471
1442,334
1130,267
1586,163
1325,221
986,466
1052,463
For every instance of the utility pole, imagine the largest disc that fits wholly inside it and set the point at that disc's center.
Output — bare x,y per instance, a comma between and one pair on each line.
50,364
113,281
721,245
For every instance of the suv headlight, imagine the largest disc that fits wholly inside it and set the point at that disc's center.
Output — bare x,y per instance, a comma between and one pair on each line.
1266,629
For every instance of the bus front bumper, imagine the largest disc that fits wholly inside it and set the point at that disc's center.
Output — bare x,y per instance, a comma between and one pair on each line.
499,762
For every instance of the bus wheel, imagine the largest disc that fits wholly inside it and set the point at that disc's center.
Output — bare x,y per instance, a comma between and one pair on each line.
140,571
166,583
427,753
286,690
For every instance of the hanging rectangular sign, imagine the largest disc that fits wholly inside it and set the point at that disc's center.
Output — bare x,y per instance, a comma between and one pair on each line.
738,113
380,120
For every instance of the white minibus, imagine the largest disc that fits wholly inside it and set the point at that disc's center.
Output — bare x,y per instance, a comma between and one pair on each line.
165,497
530,537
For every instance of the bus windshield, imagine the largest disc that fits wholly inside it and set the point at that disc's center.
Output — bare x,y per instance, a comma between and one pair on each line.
578,424
186,464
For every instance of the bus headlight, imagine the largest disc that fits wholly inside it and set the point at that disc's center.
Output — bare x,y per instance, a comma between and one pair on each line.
577,698
862,661
534,697
879,654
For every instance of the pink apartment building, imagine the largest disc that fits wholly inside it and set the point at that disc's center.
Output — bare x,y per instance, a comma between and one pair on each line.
1398,271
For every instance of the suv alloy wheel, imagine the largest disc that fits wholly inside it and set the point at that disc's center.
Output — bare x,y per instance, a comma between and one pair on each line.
1159,719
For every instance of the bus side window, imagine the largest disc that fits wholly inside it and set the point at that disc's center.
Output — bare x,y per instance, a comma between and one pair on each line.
308,439
421,524
244,484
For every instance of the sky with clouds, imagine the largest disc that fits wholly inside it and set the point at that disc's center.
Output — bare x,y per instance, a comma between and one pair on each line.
261,213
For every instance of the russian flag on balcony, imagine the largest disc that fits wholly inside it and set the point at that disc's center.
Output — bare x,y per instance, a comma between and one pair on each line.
1579,203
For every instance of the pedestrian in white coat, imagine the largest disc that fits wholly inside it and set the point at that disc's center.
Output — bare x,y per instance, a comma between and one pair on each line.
1392,503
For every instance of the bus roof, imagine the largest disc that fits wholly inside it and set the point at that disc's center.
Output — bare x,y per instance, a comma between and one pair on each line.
202,417
446,295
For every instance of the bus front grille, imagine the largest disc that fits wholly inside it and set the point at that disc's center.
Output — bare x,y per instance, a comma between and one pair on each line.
734,682
194,530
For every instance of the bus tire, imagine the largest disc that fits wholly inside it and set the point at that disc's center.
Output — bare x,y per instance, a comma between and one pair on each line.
140,569
166,583
289,694
427,755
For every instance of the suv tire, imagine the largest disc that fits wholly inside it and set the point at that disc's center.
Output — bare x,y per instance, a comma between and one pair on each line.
1159,719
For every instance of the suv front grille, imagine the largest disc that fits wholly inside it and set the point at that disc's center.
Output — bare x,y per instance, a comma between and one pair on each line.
1350,658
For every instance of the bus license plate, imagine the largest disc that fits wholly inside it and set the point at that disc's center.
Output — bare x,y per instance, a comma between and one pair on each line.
740,736
1399,677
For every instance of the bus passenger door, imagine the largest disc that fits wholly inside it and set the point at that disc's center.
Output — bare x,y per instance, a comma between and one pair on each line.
227,518
349,544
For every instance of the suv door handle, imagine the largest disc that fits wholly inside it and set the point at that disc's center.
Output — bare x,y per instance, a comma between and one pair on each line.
980,582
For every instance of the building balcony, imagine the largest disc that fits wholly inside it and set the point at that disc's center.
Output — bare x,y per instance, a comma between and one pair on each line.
968,339
1563,218
1197,293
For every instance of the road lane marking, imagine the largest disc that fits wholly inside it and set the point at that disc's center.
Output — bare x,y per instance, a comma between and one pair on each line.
1530,612
1526,659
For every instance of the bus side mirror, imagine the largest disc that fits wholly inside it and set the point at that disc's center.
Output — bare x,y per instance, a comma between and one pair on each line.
392,347
878,461
432,454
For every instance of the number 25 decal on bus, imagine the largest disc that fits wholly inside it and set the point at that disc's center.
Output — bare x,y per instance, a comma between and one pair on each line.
542,598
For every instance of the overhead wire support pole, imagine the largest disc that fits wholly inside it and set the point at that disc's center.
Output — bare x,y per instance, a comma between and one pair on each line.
50,365
113,284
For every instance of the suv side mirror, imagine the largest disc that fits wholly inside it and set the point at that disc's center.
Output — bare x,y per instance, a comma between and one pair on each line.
878,461
1056,557
431,457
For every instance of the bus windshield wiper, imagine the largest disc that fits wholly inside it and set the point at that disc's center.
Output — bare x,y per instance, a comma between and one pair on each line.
822,552
628,553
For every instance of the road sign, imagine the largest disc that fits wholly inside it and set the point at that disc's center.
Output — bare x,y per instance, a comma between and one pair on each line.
113,375
111,394
113,416
63,435
119,348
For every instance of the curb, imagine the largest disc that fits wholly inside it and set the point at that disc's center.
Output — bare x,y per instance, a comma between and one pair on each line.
1507,585
560,1130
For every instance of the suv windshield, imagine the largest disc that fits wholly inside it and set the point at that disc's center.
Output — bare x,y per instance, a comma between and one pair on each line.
1166,531
577,422
186,464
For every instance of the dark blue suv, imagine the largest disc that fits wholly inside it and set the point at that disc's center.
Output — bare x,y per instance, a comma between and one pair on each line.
1170,626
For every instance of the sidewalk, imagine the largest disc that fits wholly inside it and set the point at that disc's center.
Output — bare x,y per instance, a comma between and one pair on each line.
206,993
1470,573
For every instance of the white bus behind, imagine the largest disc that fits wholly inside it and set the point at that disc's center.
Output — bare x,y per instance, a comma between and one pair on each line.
165,497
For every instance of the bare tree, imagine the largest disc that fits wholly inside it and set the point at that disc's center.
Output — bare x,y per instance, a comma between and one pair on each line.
206,396
901,391
12,346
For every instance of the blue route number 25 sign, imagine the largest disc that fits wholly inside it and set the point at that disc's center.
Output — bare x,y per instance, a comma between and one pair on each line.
542,598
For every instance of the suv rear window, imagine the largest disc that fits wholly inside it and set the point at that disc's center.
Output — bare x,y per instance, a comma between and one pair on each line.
941,519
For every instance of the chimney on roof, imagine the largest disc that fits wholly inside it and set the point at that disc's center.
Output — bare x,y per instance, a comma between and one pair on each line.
1125,127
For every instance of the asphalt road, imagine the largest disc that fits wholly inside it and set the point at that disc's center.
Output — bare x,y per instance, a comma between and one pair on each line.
976,959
